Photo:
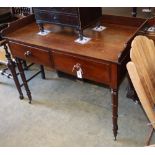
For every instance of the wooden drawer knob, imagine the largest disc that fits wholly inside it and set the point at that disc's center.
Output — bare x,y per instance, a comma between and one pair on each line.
28,53
76,67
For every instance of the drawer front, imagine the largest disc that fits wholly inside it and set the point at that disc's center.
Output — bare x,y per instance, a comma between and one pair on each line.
65,10
56,18
91,70
31,54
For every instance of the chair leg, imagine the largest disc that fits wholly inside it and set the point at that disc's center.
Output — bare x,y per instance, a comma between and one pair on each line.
3,72
149,136
11,66
42,72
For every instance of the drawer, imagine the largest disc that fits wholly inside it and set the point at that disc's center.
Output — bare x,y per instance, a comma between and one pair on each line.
31,54
56,18
91,70
68,10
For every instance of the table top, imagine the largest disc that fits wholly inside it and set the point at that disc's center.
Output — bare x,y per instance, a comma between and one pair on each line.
106,45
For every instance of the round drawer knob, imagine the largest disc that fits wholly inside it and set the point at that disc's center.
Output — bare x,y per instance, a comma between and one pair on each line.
78,69
28,53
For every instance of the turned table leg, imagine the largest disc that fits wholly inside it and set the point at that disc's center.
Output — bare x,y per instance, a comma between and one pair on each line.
114,93
11,66
22,74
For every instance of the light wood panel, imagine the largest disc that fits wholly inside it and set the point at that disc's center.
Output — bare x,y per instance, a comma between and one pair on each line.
143,97
143,56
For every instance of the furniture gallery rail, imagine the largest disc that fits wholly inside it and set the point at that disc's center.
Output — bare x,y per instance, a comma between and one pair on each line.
102,59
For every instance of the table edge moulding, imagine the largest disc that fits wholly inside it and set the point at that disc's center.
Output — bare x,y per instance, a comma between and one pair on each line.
102,60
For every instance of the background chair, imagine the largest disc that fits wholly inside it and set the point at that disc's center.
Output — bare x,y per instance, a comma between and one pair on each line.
141,70
10,15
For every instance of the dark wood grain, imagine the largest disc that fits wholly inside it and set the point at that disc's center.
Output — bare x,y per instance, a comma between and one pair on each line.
102,59
106,45
19,23
92,70
31,54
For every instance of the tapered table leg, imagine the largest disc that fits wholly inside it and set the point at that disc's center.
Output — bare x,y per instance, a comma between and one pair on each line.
114,93
11,66
22,74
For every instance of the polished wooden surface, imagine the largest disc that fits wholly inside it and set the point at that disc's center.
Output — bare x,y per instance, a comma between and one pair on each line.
106,45
92,70
29,53
103,59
